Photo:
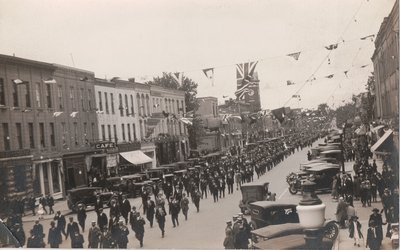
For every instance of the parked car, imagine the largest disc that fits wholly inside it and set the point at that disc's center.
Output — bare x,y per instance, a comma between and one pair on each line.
87,196
252,192
321,174
272,219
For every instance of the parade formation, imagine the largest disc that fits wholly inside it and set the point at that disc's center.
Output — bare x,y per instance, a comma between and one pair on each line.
191,145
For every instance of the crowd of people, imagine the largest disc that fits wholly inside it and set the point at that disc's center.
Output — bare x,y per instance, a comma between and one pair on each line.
211,179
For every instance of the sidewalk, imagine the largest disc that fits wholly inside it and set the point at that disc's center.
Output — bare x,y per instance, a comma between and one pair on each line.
343,241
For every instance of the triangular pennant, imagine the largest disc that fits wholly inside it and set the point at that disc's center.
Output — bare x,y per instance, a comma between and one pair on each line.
345,73
288,82
295,55
73,114
178,76
329,76
209,72
332,46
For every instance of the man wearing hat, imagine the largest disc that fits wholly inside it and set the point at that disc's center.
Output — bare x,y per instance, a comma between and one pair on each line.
38,231
61,222
133,218
72,227
102,220
94,236
377,218
106,240
54,237
139,234
122,235
125,208
229,240
235,229
355,230
151,206
81,214
160,217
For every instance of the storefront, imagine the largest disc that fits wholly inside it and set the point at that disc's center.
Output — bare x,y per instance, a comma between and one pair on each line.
131,159
15,174
48,177
103,162
76,167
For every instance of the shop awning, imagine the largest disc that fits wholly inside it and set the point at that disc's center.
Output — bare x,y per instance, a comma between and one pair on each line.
136,157
381,140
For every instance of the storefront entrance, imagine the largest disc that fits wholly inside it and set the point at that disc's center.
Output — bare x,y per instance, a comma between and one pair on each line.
47,178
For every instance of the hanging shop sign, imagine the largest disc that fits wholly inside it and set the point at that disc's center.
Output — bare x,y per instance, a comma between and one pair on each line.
104,145
112,160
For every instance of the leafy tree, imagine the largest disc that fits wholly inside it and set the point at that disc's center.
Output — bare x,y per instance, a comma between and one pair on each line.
323,109
190,88
344,113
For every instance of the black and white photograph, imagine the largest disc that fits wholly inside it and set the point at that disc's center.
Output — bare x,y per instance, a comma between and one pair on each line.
199,124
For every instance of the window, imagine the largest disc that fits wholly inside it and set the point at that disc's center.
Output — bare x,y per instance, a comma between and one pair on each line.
15,94
148,105
19,135
41,135
103,133
121,108
132,107
115,133
20,178
123,131
106,102
37,91
177,106
85,132
48,96
31,136
93,131
109,132
138,104
76,139
60,97
52,135
72,97
128,127
6,136
141,129
143,105
126,105
134,131
2,94
100,102
89,97
112,103
64,131
81,93
27,95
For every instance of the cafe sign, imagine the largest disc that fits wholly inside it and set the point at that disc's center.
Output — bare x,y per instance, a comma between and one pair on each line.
104,145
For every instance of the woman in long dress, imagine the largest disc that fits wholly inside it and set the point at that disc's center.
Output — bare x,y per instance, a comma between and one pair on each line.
355,230
40,211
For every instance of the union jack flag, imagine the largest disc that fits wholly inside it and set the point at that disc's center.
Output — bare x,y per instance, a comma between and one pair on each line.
244,73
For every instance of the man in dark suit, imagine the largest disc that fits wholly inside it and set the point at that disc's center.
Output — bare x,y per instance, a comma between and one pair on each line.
150,210
98,205
38,231
122,235
94,236
50,203
61,222
102,220
125,208
140,229
81,214
54,237
72,227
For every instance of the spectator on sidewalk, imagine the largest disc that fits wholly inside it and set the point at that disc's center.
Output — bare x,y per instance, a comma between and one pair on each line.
355,230
341,212
19,234
81,214
43,202
102,220
50,203
32,205
373,238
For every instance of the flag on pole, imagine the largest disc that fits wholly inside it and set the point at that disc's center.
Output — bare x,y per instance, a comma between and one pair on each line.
295,56
329,76
244,71
288,82
187,121
178,77
73,114
332,46
209,74
56,114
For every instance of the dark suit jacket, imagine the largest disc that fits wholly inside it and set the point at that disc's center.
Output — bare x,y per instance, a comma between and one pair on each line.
72,228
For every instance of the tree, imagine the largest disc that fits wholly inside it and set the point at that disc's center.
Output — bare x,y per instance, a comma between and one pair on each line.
323,109
196,130
368,102
344,113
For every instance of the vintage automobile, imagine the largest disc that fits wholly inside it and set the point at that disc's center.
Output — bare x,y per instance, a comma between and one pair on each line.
333,153
252,192
321,174
7,239
87,196
272,219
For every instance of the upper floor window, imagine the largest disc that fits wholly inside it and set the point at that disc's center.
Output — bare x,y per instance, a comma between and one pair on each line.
2,93
121,106
15,95
100,102
72,97
60,97
37,92
48,95
112,103
106,102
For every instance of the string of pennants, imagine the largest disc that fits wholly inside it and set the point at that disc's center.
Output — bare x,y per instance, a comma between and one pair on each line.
210,71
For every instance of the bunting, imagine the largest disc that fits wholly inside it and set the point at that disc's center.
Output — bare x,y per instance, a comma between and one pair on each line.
73,114
295,56
56,114
345,73
332,46
295,96
50,80
288,82
187,121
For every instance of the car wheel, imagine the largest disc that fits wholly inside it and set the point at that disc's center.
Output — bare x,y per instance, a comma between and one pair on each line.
292,189
331,231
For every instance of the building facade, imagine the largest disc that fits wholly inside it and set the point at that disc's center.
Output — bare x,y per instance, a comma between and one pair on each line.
386,66
47,121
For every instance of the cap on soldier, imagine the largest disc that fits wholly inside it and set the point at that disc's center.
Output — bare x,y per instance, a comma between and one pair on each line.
228,222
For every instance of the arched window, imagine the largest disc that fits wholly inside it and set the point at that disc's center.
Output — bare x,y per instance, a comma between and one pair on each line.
148,105
121,106
126,107
141,129
138,104
132,107
166,105
143,105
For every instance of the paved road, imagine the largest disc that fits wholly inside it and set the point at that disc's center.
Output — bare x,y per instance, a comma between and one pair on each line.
206,228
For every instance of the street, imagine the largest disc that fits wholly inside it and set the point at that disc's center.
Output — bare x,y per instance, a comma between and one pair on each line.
206,228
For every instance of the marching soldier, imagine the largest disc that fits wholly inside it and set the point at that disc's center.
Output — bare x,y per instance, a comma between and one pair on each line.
185,206
196,199
54,237
72,227
160,216
107,240
61,222
150,211
81,214
102,220
77,240
122,235
140,229
94,236
125,208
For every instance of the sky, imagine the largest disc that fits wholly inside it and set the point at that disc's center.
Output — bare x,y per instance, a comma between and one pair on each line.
142,39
